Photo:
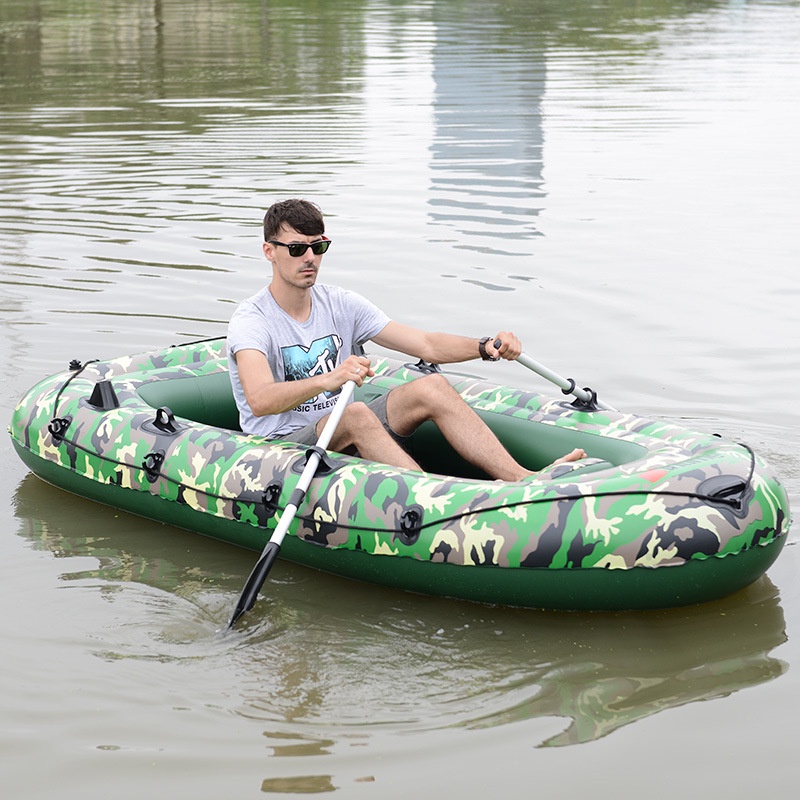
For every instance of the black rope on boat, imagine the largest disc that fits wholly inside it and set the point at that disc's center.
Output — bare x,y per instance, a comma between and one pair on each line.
752,461
77,368
199,341
153,472
58,425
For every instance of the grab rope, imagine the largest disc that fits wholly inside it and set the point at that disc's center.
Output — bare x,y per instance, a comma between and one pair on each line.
76,368
152,469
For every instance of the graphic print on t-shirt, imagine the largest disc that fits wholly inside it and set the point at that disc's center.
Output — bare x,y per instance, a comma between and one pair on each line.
304,362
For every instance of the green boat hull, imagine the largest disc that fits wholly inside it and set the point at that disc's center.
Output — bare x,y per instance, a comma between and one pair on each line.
658,516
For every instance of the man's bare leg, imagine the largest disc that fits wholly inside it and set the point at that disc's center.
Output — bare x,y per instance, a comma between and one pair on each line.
408,406
361,429
433,398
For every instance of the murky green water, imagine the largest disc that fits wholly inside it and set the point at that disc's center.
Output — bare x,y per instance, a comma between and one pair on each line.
617,181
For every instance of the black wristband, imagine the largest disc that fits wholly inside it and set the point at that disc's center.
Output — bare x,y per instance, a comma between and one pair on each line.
482,350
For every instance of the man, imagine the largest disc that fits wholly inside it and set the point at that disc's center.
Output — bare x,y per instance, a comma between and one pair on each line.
292,347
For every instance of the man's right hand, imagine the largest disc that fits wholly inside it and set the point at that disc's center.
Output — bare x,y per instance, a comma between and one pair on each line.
353,368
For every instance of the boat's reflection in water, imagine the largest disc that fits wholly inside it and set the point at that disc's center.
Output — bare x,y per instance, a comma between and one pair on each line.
320,655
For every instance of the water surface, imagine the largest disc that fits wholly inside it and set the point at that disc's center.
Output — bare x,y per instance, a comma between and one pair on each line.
615,181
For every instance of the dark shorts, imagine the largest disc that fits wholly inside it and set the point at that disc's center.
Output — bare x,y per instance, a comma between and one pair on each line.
307,435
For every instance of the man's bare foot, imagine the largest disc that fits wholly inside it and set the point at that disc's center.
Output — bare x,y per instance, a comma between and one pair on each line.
576,455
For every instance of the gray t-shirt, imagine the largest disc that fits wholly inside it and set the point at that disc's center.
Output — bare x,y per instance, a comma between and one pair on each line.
340,321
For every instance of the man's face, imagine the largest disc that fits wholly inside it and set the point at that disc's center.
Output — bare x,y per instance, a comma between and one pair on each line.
300,270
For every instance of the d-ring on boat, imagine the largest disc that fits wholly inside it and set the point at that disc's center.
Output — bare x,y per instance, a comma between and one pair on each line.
656,516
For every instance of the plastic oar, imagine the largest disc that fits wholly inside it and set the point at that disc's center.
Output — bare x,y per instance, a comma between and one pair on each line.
270,552
586,396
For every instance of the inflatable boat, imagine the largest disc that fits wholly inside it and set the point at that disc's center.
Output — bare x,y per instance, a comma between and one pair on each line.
655,516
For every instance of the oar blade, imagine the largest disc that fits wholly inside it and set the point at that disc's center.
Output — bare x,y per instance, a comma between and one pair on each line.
255,581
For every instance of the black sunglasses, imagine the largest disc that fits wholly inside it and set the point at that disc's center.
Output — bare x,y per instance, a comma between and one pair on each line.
299,248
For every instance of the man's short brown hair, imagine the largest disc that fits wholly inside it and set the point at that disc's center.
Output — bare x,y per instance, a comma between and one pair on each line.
302,215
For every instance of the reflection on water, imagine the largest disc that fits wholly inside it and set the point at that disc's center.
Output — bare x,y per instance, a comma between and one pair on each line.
138,150
615,180
378,659
486,156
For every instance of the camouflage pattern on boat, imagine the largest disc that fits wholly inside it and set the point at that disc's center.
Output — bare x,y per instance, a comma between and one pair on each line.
682,497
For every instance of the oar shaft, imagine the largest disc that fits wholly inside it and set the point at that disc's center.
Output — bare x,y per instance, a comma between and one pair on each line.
333,420
551,376
564,384
273,546
310,468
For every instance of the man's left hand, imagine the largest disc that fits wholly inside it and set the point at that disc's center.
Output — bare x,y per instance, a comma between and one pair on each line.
509,348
